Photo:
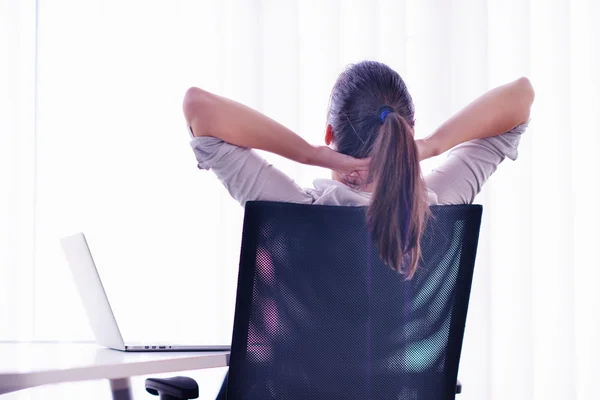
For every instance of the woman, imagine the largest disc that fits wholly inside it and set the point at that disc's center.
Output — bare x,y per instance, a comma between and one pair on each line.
373,156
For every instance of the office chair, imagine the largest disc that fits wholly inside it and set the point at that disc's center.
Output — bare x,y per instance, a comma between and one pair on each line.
319,316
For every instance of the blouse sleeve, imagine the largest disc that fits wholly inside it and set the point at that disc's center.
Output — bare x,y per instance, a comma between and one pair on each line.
245,174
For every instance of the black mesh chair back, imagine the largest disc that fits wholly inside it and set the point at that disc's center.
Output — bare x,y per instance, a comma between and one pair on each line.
319,316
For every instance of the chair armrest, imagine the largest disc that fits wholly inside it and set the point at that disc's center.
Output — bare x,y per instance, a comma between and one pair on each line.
176,388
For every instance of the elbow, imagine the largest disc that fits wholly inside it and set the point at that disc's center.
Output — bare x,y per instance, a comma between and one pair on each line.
525,98
526,89
197,104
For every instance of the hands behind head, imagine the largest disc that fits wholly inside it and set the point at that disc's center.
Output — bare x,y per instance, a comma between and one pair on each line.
354,171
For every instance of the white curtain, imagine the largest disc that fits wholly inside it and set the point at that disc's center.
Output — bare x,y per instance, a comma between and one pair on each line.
93,140
17,166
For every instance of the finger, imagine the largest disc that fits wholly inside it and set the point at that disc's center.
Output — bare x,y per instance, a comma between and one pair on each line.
355,178
363,163
348,178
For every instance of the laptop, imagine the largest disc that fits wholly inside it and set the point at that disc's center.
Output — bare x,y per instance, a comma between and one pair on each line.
98,308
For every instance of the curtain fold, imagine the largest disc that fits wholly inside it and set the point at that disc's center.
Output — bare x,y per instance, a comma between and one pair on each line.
17,168
93,139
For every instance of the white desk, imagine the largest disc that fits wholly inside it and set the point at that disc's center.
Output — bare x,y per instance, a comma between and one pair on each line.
25,365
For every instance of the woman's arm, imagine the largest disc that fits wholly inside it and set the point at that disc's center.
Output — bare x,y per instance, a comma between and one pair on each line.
211,115
495,112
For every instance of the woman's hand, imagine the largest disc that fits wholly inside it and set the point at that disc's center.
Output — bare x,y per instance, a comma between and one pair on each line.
355,170
345,165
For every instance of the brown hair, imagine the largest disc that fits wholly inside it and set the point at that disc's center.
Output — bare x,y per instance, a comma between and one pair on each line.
372,115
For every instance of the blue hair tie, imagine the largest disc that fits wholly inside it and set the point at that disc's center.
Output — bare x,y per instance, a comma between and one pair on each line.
384,113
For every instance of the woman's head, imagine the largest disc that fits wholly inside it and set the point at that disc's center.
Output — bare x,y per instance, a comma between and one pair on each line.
371,114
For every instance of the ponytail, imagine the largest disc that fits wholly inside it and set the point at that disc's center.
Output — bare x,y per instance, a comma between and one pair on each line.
398,210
